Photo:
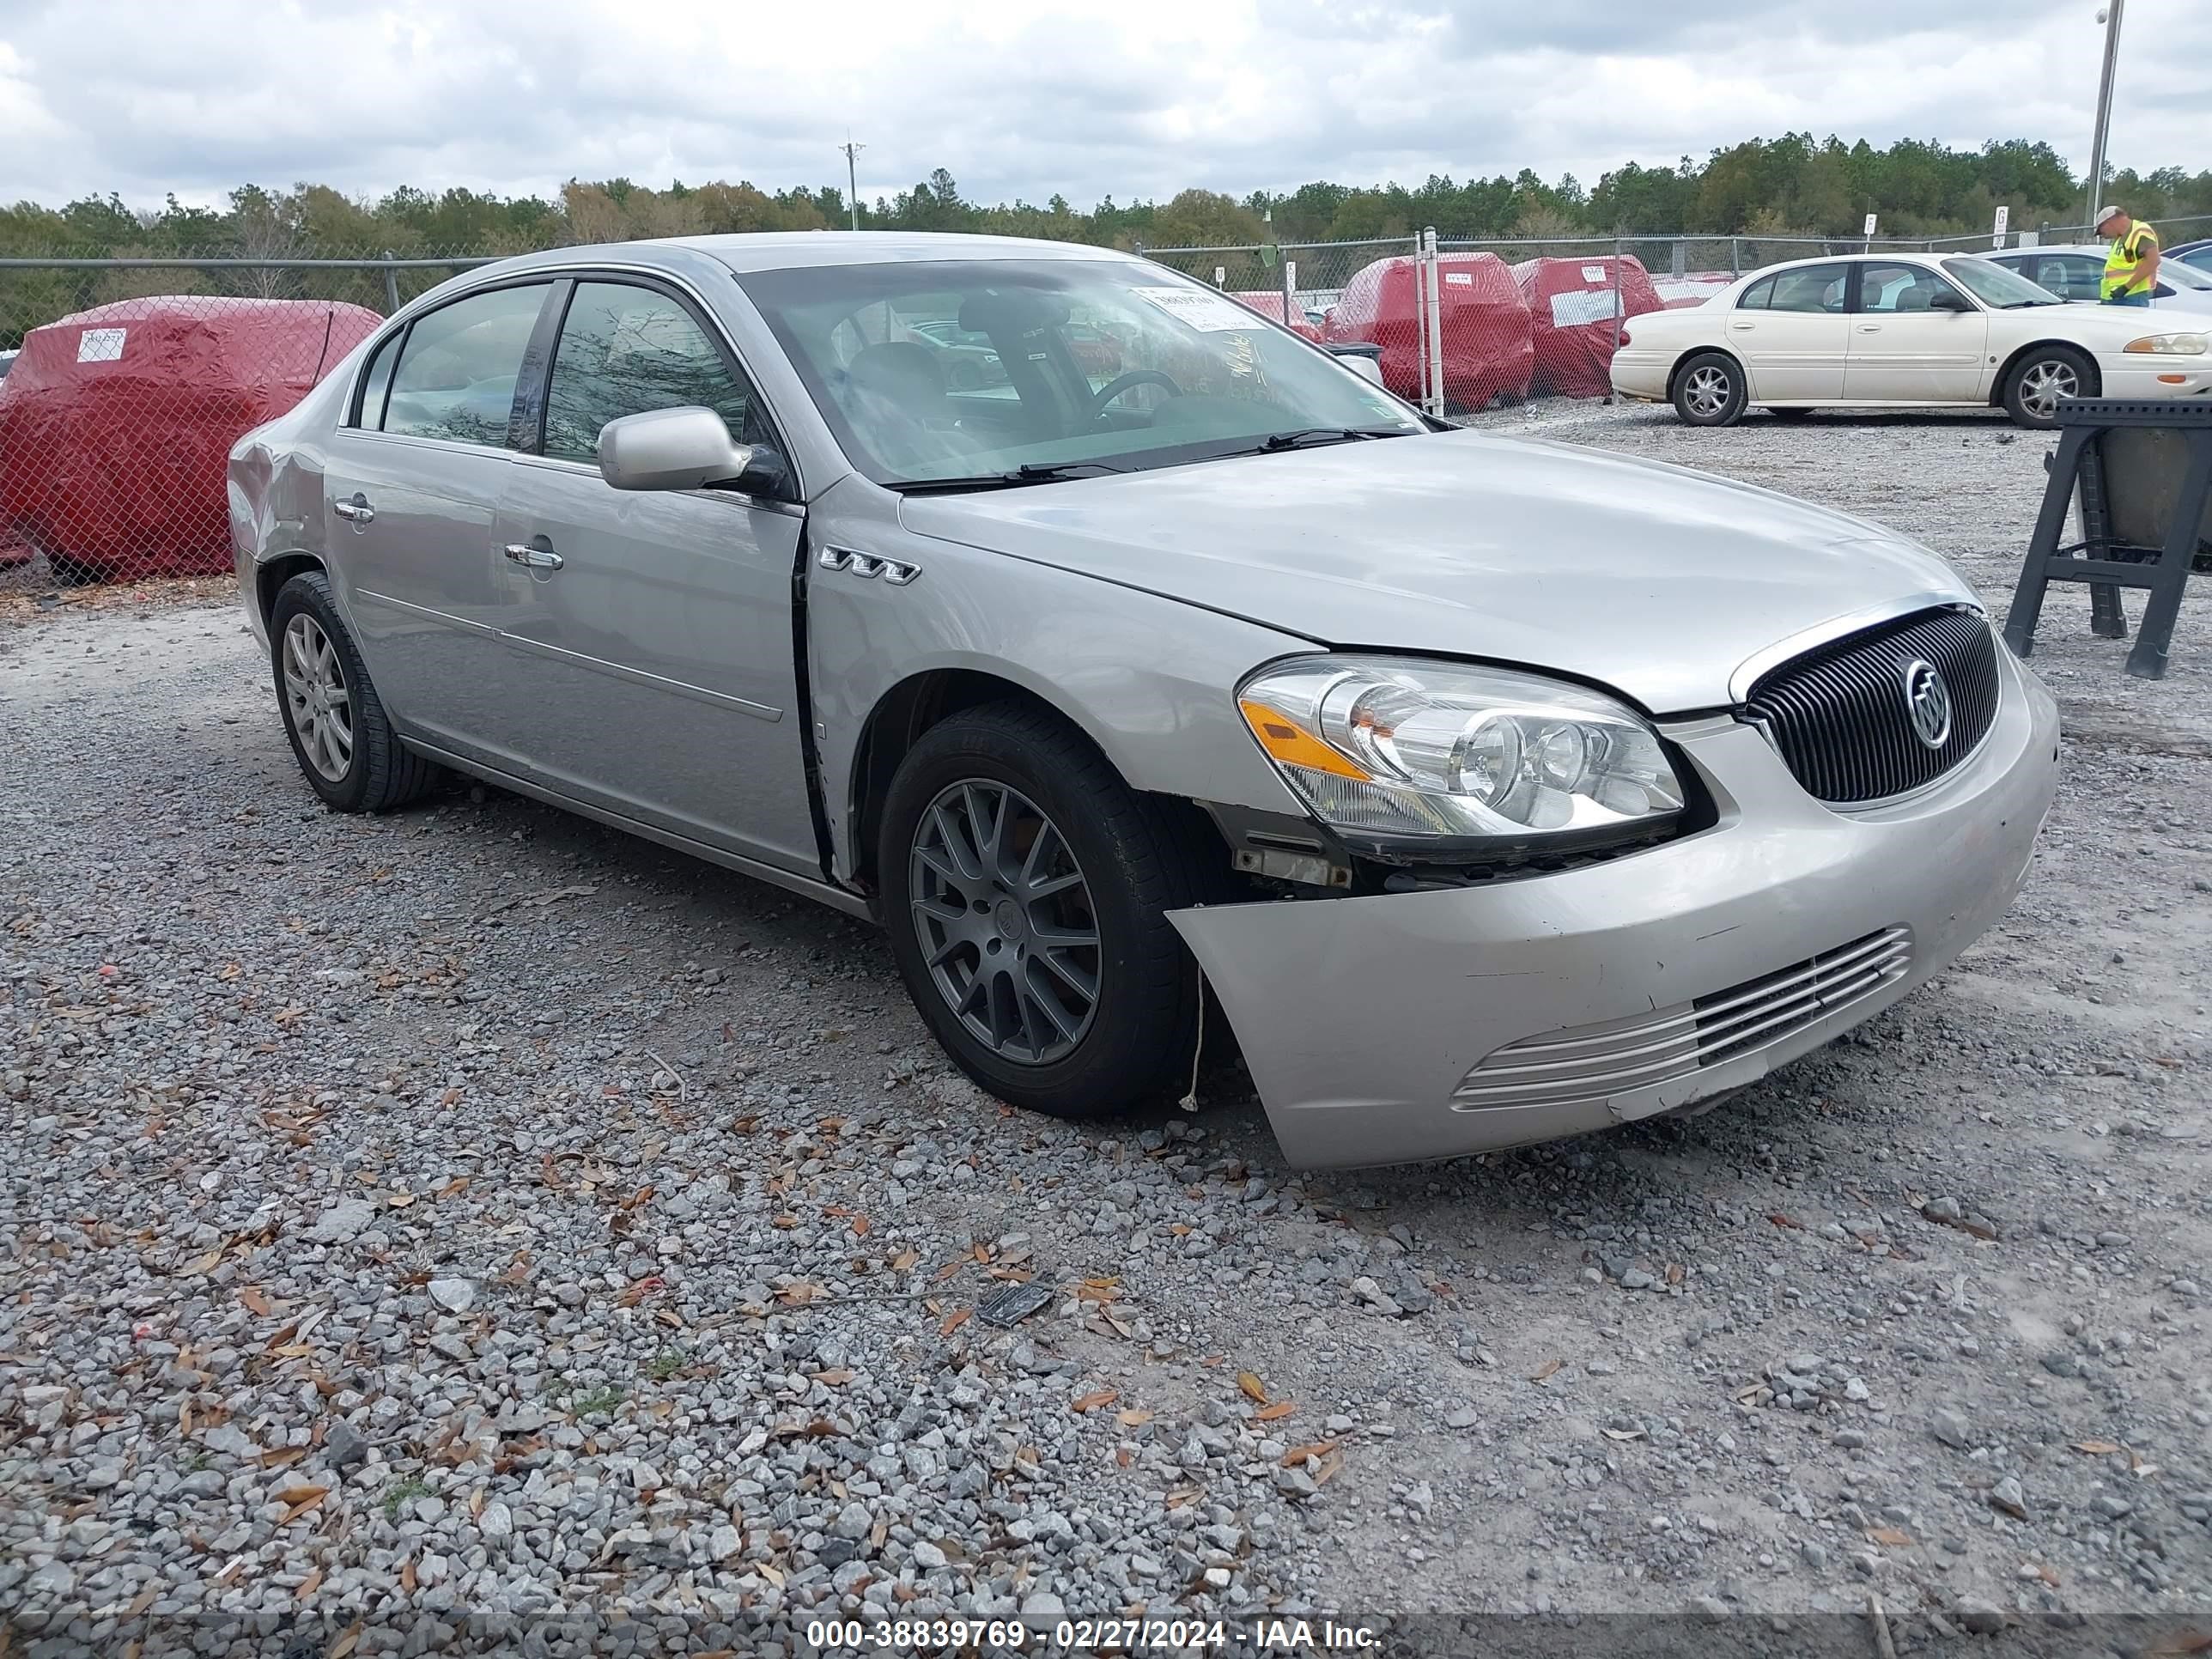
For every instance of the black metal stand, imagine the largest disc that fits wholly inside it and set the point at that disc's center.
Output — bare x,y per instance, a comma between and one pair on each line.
2104,558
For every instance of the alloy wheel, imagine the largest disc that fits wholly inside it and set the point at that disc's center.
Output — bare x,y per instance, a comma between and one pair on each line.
316,699
1004,916
2045,383
1708,391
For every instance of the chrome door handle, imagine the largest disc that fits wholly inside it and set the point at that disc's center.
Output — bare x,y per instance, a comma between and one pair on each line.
1869,328
536,558
358,509
1741,328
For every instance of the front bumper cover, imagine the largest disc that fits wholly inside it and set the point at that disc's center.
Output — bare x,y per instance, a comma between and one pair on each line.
1361,1019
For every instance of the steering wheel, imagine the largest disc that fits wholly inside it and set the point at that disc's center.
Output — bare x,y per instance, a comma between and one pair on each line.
1122,383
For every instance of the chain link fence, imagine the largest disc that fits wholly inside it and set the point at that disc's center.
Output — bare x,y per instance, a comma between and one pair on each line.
132,377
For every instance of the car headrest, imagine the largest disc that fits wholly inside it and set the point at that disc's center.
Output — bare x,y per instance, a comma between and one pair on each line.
905,372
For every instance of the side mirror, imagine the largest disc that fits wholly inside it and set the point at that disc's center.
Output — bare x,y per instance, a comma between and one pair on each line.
1362,359
686,449
1946,300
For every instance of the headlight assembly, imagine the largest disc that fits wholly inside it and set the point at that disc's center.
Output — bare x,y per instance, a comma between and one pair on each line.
1396,752
2170,345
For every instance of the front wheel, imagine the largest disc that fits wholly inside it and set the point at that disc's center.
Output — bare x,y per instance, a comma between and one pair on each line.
1710,390
2041,378
1026,889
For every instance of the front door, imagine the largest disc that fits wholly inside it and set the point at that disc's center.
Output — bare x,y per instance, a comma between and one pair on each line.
1906,348
651,631
1791,332
412,486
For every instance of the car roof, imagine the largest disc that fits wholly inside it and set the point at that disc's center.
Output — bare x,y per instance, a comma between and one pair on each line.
786,250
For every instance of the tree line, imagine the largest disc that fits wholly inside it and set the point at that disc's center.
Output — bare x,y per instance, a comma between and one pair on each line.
1790,186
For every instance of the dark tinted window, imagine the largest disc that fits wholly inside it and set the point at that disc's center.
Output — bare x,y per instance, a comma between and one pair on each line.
378,380
1809,288
625,350
457,372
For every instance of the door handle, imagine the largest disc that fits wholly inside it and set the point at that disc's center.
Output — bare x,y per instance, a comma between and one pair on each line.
1869,328
1741,328
357,510
535,558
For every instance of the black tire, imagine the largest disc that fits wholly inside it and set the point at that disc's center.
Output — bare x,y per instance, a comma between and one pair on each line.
1138,859
1710,390
75,573
378,771
2043,373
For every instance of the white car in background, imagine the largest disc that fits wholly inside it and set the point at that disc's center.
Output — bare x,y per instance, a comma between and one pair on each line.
1903,329
2076,271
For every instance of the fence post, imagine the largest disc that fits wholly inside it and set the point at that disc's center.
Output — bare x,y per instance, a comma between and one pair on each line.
1619,249
391,284
1432,308
1735,256
1290,288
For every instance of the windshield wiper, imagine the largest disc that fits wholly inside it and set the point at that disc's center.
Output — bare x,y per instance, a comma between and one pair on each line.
1312,437
2015,305
1029,472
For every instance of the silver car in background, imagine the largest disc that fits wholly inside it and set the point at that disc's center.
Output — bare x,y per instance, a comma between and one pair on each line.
1492,790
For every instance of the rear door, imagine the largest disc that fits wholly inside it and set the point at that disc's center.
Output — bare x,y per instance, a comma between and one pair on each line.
651,640
1906,347
412,485
1791,332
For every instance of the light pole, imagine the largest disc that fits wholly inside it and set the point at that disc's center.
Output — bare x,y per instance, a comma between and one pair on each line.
852,182
2110,17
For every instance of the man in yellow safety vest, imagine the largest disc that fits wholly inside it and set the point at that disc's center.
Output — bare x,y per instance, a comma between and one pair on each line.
2132,262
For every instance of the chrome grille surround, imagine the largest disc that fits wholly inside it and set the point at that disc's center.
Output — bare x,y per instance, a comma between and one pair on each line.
1841,715
1644,1051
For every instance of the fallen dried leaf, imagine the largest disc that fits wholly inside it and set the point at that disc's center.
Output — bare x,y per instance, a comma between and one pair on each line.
1545,1370
1133,1418
1093,1401
1298,1455
309,1585
955,1320
2096,1448
256,1304
300,1499
1622,1434
1281,1409
905,1259
1252,1389
1889,1536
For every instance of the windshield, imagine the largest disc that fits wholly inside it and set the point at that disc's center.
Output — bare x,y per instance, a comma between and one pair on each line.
1083,365
1993,285
2181,276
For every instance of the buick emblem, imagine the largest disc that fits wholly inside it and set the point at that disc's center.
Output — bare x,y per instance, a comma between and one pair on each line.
1928,703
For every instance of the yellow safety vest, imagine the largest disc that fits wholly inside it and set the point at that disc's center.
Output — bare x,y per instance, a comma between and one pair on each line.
2120,259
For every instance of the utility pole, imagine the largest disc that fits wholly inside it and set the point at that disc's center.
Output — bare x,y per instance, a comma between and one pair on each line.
2110,17
851,177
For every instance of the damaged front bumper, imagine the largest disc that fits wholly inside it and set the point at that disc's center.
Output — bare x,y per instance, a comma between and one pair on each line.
1397,1027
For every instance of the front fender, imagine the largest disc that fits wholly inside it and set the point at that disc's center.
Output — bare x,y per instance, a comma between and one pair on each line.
1149,679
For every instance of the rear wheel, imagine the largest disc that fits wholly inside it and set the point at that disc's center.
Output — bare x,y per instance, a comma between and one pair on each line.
340,734
2044,375
1709,391
1026,889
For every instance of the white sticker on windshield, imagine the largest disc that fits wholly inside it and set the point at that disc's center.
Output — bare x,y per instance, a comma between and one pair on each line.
1200,308
1460,278
100,345
1593,273
1572,310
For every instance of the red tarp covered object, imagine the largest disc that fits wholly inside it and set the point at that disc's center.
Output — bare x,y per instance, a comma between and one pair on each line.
1570,312
1692,288
1481,314
1270,305
115,424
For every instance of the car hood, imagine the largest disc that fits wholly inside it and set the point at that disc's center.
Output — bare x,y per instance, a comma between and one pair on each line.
1653,580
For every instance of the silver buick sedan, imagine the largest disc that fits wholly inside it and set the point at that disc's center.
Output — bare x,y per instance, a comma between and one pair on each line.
1182,690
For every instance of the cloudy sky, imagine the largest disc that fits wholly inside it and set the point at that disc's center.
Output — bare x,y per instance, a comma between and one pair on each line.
1027,97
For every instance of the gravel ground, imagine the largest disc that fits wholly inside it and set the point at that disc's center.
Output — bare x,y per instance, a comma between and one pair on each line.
417,1228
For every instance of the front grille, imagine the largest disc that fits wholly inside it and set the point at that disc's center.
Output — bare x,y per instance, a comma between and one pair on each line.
1840,717
1596,1062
